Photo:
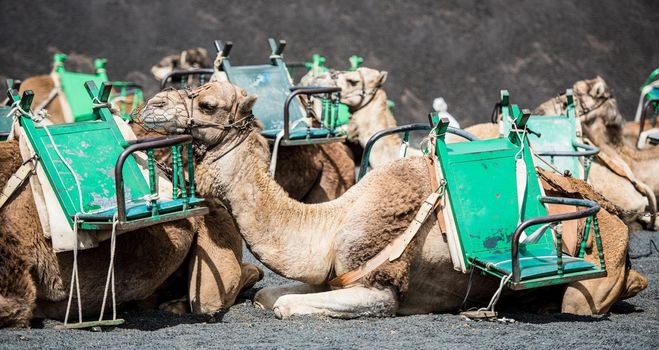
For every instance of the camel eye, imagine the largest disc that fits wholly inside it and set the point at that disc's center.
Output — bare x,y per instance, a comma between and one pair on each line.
208,106
352,82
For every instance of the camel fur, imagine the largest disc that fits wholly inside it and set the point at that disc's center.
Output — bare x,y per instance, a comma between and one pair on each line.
312,243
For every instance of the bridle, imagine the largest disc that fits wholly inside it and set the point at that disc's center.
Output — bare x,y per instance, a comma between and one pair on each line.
363,93
193,123
585,110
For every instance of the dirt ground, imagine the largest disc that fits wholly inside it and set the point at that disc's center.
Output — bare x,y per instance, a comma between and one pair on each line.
632,324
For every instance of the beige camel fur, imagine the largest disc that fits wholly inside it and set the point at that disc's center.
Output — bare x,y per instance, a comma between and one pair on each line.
313,243
362,92
188,59
33,277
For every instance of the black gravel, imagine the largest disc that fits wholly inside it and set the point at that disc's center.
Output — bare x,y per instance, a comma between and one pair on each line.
632,324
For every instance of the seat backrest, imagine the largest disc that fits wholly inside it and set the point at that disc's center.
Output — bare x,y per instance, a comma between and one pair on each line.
91,149
481,185
73,86
553,133
271,84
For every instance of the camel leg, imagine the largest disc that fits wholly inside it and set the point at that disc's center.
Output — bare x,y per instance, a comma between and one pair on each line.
341,303
267,297
250,274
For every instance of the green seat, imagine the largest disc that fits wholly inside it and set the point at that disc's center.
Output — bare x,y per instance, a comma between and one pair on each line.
108,176
271,84
73,88
554,139
484,217
649,100
5,122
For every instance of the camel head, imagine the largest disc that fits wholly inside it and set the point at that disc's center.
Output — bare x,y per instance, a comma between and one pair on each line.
598,111
596,108
357,87
192,58
213,113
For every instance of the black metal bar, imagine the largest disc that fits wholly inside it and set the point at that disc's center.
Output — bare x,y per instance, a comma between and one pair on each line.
300,90
593,208
646,106
588,151
363,167
223,47
184,73
26,100
139,145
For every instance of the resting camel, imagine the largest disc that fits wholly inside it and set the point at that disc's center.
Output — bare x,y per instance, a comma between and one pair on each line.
188,59
598,112
34,280
362,92
312,243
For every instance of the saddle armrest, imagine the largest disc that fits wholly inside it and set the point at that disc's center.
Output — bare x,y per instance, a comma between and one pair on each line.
302,90
593,208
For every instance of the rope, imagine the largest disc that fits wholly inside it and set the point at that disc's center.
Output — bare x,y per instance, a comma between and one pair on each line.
110,275
497,294
74,277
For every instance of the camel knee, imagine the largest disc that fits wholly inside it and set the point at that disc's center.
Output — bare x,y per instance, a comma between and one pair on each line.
635,282
250,275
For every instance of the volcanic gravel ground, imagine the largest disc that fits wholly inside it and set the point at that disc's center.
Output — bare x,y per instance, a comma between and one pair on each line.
632,324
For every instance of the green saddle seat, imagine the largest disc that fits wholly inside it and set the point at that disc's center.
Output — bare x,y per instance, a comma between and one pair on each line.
79,160
271,83
554,135
73,87
5,122
298,133
492,193
535,265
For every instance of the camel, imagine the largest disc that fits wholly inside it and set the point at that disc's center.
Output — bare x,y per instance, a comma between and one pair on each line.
312,243
188,59
598,113
362,92
34,280
635,186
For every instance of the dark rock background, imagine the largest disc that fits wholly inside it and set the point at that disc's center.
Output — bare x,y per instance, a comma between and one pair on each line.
464,50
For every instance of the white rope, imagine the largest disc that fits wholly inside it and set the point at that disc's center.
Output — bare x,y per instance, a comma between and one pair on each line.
110,274
497,294
275,147
74,277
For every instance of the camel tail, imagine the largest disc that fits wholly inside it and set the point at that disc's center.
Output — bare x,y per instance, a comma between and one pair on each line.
15,312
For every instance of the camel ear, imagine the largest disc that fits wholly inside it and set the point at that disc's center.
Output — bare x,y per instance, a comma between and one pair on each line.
382,78
245,106
599,88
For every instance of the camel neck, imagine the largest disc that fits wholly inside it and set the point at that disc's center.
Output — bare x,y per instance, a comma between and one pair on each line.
291,238
372,118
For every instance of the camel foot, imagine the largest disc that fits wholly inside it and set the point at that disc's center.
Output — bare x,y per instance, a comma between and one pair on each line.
176,306
250,275
341,303
266,297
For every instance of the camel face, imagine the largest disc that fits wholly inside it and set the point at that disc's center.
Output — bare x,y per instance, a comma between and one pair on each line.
209,113
358,86
187,59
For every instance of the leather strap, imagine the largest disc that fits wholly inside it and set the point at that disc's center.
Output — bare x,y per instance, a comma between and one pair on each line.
396,248
16,180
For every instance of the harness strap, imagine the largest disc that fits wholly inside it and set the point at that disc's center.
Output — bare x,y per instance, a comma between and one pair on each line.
394,249
17,179
624,171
